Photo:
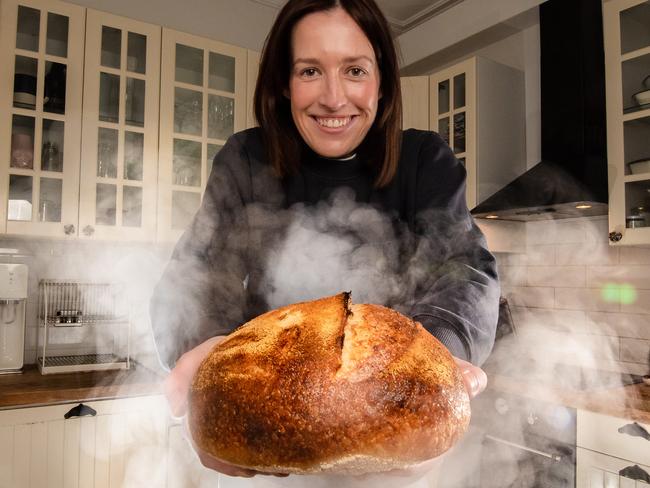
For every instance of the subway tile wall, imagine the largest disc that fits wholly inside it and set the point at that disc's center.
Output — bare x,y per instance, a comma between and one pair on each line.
571,291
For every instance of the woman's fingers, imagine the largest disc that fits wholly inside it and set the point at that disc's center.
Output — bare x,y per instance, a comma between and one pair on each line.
474,377
177,384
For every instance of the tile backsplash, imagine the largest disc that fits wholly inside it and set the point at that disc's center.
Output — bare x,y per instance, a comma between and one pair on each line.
572,290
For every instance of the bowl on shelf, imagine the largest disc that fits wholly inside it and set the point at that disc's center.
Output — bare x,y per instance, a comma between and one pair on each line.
639,166
642,97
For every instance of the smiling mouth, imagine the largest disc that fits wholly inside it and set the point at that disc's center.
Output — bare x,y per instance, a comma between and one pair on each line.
333,122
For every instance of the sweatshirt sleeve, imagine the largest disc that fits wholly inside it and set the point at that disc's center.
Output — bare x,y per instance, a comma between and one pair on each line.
453,275
202,292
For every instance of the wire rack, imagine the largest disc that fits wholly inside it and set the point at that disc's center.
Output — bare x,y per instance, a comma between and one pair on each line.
93,314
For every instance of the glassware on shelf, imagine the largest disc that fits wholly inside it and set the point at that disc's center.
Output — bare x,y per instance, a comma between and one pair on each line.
459,133
136,58
221,117
109,97
133,155
28,28
50,197
107,153
22,142
188,111
105,204
50,157
186,166
134,113
52,150
443,129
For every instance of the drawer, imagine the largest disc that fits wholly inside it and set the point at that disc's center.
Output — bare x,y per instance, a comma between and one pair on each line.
614,436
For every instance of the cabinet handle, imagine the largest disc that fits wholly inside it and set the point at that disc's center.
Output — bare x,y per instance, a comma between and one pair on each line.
80,410
68,229
615,236
88,230
635,473
635,430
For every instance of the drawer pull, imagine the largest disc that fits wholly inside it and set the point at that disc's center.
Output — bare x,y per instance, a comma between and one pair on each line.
80,410
635,430
635,473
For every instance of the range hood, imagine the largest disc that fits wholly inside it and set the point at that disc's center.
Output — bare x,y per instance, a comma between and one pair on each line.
571,179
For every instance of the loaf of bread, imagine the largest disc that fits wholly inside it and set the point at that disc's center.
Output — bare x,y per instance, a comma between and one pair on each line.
327,386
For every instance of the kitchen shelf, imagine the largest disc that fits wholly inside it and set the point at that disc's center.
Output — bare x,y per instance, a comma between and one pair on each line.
633,178
84,362
637,112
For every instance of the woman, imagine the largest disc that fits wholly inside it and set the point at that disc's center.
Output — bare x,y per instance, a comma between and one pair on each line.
328,103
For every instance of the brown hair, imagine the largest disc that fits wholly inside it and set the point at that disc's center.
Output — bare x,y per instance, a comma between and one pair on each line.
382,144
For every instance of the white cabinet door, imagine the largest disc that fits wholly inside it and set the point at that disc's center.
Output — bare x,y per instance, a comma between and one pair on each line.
596,470
203,102
124,443
627,65
415,102
41,54
120,129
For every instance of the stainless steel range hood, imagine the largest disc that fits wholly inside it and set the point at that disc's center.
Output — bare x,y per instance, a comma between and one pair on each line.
571,179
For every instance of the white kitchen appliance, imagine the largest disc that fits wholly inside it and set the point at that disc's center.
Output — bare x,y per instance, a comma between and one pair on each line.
13,296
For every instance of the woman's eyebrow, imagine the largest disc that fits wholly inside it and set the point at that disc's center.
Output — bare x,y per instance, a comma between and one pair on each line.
349,59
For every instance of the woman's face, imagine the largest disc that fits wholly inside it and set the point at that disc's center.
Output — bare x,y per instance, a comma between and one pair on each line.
334,82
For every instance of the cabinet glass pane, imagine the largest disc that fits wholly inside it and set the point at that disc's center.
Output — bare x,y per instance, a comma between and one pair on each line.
188,111
459,91
637,203
133,155
189,65
111,47
443,97
29,20
443,129
22,142
49,201
55,82
132,206
105,204
637,146
186,167
184,206
52,151
136,60
213,149
135,102
20,198
635,78
221,117
107,153
635,28
109,97
222,72
459,133
26,71
57,35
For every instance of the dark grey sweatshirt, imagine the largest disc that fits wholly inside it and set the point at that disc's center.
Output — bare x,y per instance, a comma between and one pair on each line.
427,256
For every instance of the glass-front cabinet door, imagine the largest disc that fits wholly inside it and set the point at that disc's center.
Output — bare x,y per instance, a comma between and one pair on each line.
452,115
120,129
41,54
627,66
203,102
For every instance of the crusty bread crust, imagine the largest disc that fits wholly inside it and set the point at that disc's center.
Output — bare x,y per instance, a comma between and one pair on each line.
325,386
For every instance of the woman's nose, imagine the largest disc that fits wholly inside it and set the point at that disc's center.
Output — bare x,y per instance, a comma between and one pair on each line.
333,94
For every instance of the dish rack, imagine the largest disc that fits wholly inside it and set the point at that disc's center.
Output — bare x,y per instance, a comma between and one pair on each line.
82,327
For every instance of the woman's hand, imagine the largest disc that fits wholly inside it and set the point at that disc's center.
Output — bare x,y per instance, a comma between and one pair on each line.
177,387
474,377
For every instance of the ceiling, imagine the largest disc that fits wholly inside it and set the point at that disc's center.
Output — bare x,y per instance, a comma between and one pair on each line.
401,14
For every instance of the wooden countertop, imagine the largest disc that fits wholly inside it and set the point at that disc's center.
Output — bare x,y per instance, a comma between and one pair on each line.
31,388
630,402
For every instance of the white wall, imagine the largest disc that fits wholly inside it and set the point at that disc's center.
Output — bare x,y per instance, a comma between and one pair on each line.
240,22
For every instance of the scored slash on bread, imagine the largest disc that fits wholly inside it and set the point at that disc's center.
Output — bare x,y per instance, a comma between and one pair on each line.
328,386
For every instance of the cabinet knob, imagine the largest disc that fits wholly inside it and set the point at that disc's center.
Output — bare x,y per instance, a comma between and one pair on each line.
88,230
68,229
80,410
615,236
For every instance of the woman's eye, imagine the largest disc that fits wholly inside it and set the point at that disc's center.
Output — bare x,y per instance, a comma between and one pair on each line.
308,72
356,71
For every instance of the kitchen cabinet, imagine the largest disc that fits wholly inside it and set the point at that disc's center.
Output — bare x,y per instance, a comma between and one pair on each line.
41,49
612,452
627,67
478,108
119,147
484,101
110,443
203,101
